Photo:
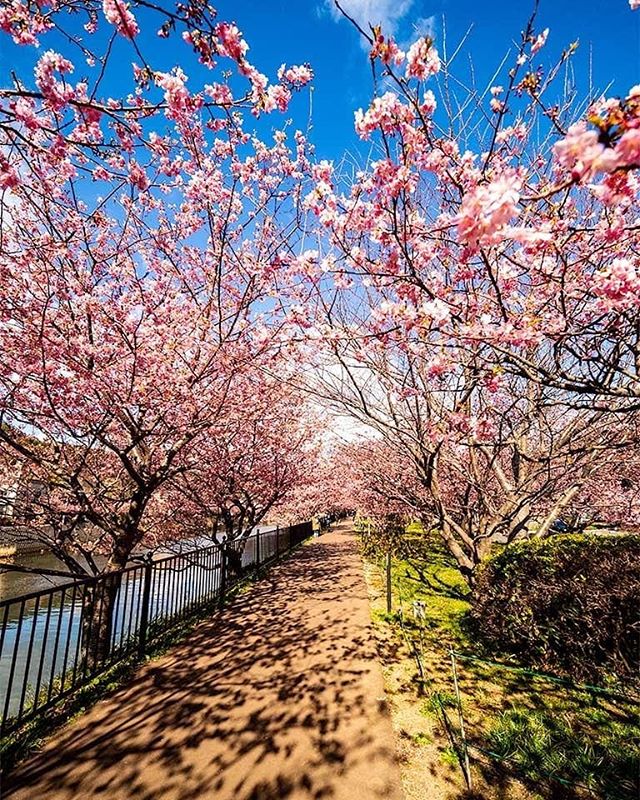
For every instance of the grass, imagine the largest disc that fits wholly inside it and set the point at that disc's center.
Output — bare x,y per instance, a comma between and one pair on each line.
528,736
540,744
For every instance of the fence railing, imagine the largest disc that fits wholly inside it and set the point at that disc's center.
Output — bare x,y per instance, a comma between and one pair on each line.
54,641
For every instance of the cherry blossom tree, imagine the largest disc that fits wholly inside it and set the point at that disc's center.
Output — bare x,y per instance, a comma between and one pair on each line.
505,214
255,460
139,255
475,283
140,241
479,461
611,497
382,481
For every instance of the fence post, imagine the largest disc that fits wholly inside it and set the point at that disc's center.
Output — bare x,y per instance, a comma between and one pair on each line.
277,542
146,602
223,572
258,548
465,749
388,581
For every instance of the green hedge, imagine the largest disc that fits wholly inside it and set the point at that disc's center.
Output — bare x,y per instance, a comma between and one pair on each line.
570,603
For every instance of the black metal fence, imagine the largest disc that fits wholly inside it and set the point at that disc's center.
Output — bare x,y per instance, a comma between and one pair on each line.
52,642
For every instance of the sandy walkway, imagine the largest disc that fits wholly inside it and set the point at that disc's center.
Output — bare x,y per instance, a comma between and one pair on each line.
279,696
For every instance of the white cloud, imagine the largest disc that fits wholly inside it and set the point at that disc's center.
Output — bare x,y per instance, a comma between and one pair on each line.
392,15
423,26
387,13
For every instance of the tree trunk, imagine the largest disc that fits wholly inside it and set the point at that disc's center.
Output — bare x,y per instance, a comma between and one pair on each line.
100,603
98,612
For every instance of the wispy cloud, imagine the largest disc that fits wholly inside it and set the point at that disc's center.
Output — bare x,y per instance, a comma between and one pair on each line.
423,26
387,13
394,16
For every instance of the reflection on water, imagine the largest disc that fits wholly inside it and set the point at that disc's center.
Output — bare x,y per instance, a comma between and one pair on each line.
13,584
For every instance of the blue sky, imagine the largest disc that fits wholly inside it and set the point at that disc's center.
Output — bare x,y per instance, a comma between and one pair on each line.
282,30
296,31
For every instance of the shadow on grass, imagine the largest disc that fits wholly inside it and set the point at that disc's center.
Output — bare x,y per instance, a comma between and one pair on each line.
537,736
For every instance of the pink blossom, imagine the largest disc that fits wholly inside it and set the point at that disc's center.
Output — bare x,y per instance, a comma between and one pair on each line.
276,96
385,112
220,93
56,93
100,174
138,177
180,103
618,285
487,208
25,110
540,41
422,60
628,148
297,76
22,23
428,104
386,50
437,366
231,43
435,310
582,154
8,175
118,14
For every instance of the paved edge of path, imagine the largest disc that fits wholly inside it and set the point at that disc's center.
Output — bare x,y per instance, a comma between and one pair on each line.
278,696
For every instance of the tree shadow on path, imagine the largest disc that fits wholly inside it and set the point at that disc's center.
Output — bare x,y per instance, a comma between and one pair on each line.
277,696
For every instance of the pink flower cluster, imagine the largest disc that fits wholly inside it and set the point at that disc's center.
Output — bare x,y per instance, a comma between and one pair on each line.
386,113
618,286
487,209
24,109
180,102
21,23
278,97
118,14
628,148
138,177
422,60
296,76
386,50
8,175
582,154
220,93
231,43
56,93
496,104
391,179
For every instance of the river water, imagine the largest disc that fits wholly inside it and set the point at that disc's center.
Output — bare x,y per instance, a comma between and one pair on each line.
13,584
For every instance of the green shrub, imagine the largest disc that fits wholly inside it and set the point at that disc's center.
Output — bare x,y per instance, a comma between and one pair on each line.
568,604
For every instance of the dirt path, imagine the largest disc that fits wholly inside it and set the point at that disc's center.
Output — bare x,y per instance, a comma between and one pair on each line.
279,696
